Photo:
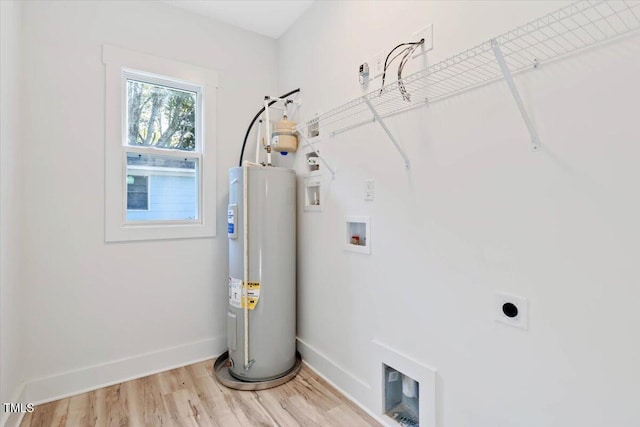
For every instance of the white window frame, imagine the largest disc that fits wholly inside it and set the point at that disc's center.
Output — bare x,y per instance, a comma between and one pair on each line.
120,65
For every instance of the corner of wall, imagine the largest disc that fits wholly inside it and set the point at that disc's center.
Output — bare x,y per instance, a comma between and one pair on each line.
14,419
11,283
352,387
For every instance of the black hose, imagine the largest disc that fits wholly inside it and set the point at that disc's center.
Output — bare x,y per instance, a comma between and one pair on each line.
246,136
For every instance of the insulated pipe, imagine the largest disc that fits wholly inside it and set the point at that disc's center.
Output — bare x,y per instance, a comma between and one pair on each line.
268,133
258,142
290,101
245,232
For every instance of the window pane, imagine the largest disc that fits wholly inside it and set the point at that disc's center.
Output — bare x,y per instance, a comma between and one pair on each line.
172,186
160,116
137,192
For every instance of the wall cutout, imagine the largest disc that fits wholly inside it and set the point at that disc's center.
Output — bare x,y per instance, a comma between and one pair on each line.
311,158
407,388
313,127
312,194
358,234
401,393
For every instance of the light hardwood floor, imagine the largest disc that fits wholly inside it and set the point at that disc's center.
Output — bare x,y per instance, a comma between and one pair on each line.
190,396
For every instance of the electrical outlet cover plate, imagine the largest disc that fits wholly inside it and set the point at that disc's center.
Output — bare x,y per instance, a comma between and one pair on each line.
521,319
376,64
369,185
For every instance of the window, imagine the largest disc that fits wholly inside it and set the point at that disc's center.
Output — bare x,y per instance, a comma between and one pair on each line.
164,125
161,116
166,188
159,147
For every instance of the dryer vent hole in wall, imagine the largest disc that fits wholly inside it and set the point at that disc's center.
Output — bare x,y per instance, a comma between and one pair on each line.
401,397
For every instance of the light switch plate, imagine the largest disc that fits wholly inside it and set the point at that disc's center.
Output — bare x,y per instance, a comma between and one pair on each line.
369,185
376,64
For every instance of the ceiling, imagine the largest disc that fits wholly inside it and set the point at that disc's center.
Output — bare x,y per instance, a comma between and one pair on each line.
268,17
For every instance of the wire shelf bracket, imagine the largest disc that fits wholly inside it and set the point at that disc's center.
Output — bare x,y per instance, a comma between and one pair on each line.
379,119
535,140
567,30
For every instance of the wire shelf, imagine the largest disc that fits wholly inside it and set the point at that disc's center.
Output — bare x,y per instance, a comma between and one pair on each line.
569,29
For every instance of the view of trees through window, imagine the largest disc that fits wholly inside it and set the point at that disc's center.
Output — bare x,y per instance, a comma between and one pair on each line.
160,116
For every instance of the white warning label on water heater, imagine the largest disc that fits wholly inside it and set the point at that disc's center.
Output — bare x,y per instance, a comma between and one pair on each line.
235,292
253,294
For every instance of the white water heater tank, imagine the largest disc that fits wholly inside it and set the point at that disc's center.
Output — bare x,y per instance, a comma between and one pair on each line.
261,320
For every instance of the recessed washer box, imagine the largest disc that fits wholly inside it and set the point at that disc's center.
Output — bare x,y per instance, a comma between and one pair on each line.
358,234
401,397
311,158
406,388
312,193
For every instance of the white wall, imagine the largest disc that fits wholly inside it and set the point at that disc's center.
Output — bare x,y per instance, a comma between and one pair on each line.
11,142
478,212
98,312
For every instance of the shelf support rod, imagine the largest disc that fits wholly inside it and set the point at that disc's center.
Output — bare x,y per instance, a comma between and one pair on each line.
535,140
310,145
389,134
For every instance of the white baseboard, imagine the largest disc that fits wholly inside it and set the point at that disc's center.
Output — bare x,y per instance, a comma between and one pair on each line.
352,387
82,380
90,378
13,419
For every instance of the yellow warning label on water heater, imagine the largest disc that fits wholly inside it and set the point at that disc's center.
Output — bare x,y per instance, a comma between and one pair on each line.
252,294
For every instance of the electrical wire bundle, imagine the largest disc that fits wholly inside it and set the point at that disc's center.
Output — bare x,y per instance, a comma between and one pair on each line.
407,51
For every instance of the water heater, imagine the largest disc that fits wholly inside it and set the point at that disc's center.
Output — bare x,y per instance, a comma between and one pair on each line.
261,226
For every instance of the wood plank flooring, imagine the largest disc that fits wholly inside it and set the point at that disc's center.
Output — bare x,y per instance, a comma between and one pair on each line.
190,396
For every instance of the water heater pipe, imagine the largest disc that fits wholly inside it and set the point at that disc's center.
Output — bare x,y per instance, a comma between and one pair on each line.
245,231
268,133
246,135
258,142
